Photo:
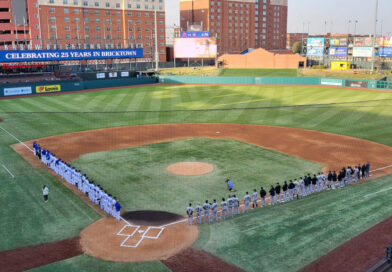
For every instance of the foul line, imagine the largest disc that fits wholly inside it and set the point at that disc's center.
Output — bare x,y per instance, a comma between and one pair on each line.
9,172
13,136
381,191
382,168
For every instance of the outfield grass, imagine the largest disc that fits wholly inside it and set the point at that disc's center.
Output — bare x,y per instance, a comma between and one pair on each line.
85,263
28,220
289,236
190,71
259,72
138,176
346,74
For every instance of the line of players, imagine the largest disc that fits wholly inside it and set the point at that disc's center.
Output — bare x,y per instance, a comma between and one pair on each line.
209,212
95,193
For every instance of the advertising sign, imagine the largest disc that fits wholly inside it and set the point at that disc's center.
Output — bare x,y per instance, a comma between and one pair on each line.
363,52
356,84
338,42
17,91
48,89
124,74
363,41
386,41
338,51
315,51
101,75
44,55
204,34
331,82
195,48
316,42
114,74
385,52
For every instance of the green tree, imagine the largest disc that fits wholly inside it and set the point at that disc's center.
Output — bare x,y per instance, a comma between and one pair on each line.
297,47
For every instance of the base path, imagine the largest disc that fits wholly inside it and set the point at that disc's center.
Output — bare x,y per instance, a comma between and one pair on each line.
25,258
331,150
358,254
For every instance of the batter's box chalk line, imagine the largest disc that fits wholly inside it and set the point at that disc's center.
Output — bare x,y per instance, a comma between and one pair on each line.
127,232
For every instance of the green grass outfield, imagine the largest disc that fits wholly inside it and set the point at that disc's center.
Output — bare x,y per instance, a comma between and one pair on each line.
138,176
259,72
362,114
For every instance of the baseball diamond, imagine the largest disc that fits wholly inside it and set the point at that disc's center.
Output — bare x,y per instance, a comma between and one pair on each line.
126,140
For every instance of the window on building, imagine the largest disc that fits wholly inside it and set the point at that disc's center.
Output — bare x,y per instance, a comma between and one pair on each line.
53,19
66,19
76,2
85,3
65,2
66,10
67,28
107,4
51,10
76,11
77,20
97,20
96,4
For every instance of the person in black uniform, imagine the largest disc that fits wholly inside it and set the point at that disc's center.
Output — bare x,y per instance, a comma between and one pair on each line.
306,185
334,179
263,193
272,195
277,192
329,178
363,170
291,190
314,182
285,187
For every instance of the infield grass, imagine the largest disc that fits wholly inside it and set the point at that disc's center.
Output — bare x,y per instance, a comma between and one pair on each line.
138,176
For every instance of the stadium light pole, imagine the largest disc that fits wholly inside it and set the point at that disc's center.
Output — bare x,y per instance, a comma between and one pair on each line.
374,36
156,40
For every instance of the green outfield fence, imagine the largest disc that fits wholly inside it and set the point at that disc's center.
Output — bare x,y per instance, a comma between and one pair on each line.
351,83
59,86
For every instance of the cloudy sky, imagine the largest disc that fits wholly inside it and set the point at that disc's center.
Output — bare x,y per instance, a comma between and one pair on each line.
314,13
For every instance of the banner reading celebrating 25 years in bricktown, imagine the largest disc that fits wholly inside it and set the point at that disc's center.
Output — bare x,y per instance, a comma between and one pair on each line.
48,55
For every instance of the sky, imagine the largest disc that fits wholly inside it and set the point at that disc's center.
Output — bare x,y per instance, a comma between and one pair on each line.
314,13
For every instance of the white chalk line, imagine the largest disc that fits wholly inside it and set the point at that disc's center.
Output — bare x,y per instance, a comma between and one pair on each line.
144,235
13,136
382,168
9,172
381,191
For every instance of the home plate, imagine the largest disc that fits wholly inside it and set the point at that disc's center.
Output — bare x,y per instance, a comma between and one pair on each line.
141,231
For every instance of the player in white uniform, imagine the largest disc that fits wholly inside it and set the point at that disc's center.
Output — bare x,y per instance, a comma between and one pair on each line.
214,211
254,199
206,208
223,209
246,203
189,212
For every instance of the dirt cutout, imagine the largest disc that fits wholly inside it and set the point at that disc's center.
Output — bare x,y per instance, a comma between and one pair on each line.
190,168
26,258
100,240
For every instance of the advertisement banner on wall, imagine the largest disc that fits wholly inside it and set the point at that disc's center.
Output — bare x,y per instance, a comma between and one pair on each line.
386,41
338,51
101,75
315,51
362,52
195,48
331,82
385,52
316,42
113,74
338,42
356,84
363,41
48,89
204,34
67,55
17,91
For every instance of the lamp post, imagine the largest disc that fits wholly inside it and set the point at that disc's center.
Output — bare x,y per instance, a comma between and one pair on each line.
348,28
355,27
374,36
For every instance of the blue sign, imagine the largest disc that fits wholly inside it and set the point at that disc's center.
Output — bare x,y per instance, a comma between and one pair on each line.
338,51
318,42
204,34
385,52
315,51
47,55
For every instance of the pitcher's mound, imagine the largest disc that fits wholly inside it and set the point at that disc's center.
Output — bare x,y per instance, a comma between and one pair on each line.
151,218
190,168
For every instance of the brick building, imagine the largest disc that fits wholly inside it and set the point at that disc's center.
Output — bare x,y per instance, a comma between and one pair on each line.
19,24
292,38
238,24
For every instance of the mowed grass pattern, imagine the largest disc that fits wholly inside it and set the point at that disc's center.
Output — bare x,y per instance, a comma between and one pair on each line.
362,114
260,72
138,176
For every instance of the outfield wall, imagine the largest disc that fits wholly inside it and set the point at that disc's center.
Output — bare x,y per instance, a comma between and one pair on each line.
59,86
350,83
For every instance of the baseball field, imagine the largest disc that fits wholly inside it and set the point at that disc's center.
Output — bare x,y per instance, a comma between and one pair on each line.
126,138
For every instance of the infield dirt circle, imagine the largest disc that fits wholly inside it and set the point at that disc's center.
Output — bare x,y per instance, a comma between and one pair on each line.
190,168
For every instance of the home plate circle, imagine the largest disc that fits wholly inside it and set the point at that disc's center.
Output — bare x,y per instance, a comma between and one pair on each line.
190,168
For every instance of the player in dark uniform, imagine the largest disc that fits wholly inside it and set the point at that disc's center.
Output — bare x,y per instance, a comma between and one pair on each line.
277,192
272,195
329,178
284,188
291,190
263,193
314,182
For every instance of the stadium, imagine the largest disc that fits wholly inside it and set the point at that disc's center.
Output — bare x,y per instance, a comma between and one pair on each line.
134,152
